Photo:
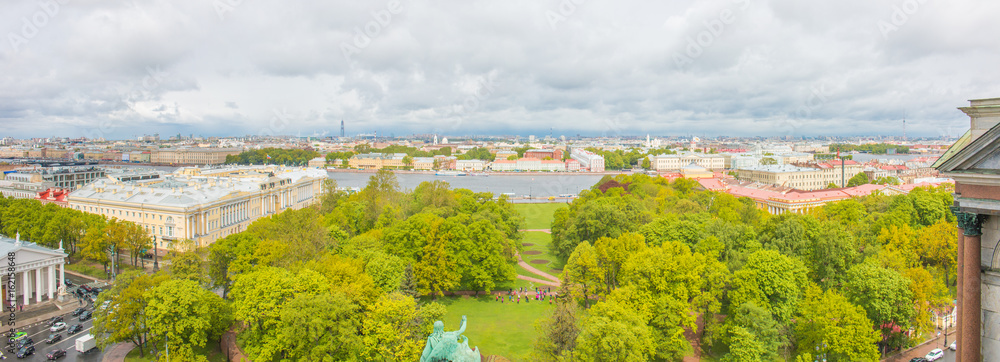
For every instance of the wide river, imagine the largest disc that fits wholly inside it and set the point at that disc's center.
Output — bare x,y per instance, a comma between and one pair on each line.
520,185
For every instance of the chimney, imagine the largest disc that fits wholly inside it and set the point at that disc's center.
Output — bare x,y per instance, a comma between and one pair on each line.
984,115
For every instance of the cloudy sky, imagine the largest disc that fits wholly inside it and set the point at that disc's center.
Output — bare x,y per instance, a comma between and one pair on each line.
118,69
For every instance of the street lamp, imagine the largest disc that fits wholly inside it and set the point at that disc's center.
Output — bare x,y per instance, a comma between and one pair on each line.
156,265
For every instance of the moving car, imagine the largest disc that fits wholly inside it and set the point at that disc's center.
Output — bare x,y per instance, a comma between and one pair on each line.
77,311
58,326
56,354
918,359
69,283
55,320
74,329
25,351
85,316
953,346
934,355
53,338
24,342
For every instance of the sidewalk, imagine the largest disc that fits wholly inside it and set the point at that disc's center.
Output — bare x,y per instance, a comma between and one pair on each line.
117,352
42,313
923,348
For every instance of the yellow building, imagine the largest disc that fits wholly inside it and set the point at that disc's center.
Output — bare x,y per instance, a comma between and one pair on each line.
193,156
375,161
815,177
201,205
678,161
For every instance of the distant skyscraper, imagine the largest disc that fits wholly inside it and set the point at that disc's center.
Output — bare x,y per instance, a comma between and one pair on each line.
341,128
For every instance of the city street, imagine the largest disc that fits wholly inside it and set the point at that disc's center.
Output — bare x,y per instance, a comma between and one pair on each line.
38,332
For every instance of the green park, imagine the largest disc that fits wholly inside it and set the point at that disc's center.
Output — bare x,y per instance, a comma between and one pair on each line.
636,268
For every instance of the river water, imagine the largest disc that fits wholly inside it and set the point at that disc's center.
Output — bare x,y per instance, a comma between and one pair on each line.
520,185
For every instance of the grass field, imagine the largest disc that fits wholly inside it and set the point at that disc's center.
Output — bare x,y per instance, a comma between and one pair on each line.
541,243
211,350
538,216
502,329
96,270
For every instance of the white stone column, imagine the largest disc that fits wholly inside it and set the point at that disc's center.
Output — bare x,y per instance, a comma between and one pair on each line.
25,287
62,272
38,285
52,279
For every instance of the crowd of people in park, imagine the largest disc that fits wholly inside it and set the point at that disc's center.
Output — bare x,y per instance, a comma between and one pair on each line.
515,295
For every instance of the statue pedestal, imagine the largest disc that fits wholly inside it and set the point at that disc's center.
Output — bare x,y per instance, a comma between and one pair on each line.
62,293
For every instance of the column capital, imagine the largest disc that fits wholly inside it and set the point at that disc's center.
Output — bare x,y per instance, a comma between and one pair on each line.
971,223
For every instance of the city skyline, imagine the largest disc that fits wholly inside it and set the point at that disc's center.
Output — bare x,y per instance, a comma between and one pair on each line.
738,68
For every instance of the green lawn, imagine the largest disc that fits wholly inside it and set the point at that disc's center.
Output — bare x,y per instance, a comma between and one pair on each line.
541,243
538,216
503,329
96,270
211,350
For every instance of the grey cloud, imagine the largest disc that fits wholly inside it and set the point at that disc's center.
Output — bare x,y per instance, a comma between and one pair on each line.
87,71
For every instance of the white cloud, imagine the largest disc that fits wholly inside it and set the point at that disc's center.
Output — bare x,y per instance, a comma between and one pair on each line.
753,67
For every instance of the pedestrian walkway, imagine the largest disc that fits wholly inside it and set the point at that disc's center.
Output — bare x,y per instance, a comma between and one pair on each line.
540,273
923,348
539,281
117,352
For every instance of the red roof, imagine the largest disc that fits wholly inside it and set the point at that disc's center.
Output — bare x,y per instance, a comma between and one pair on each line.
712,184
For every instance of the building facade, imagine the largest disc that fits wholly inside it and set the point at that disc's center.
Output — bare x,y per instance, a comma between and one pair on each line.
676,162
813,177
192,156
35,272
27,183
201,205
974,163
376,161
588,160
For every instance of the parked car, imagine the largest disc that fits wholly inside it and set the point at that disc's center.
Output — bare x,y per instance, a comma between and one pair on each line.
953,346
53,338
85,316
56,354
105,304
934,355
68,283
77,311
25,351
76,328
58,326
55,320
